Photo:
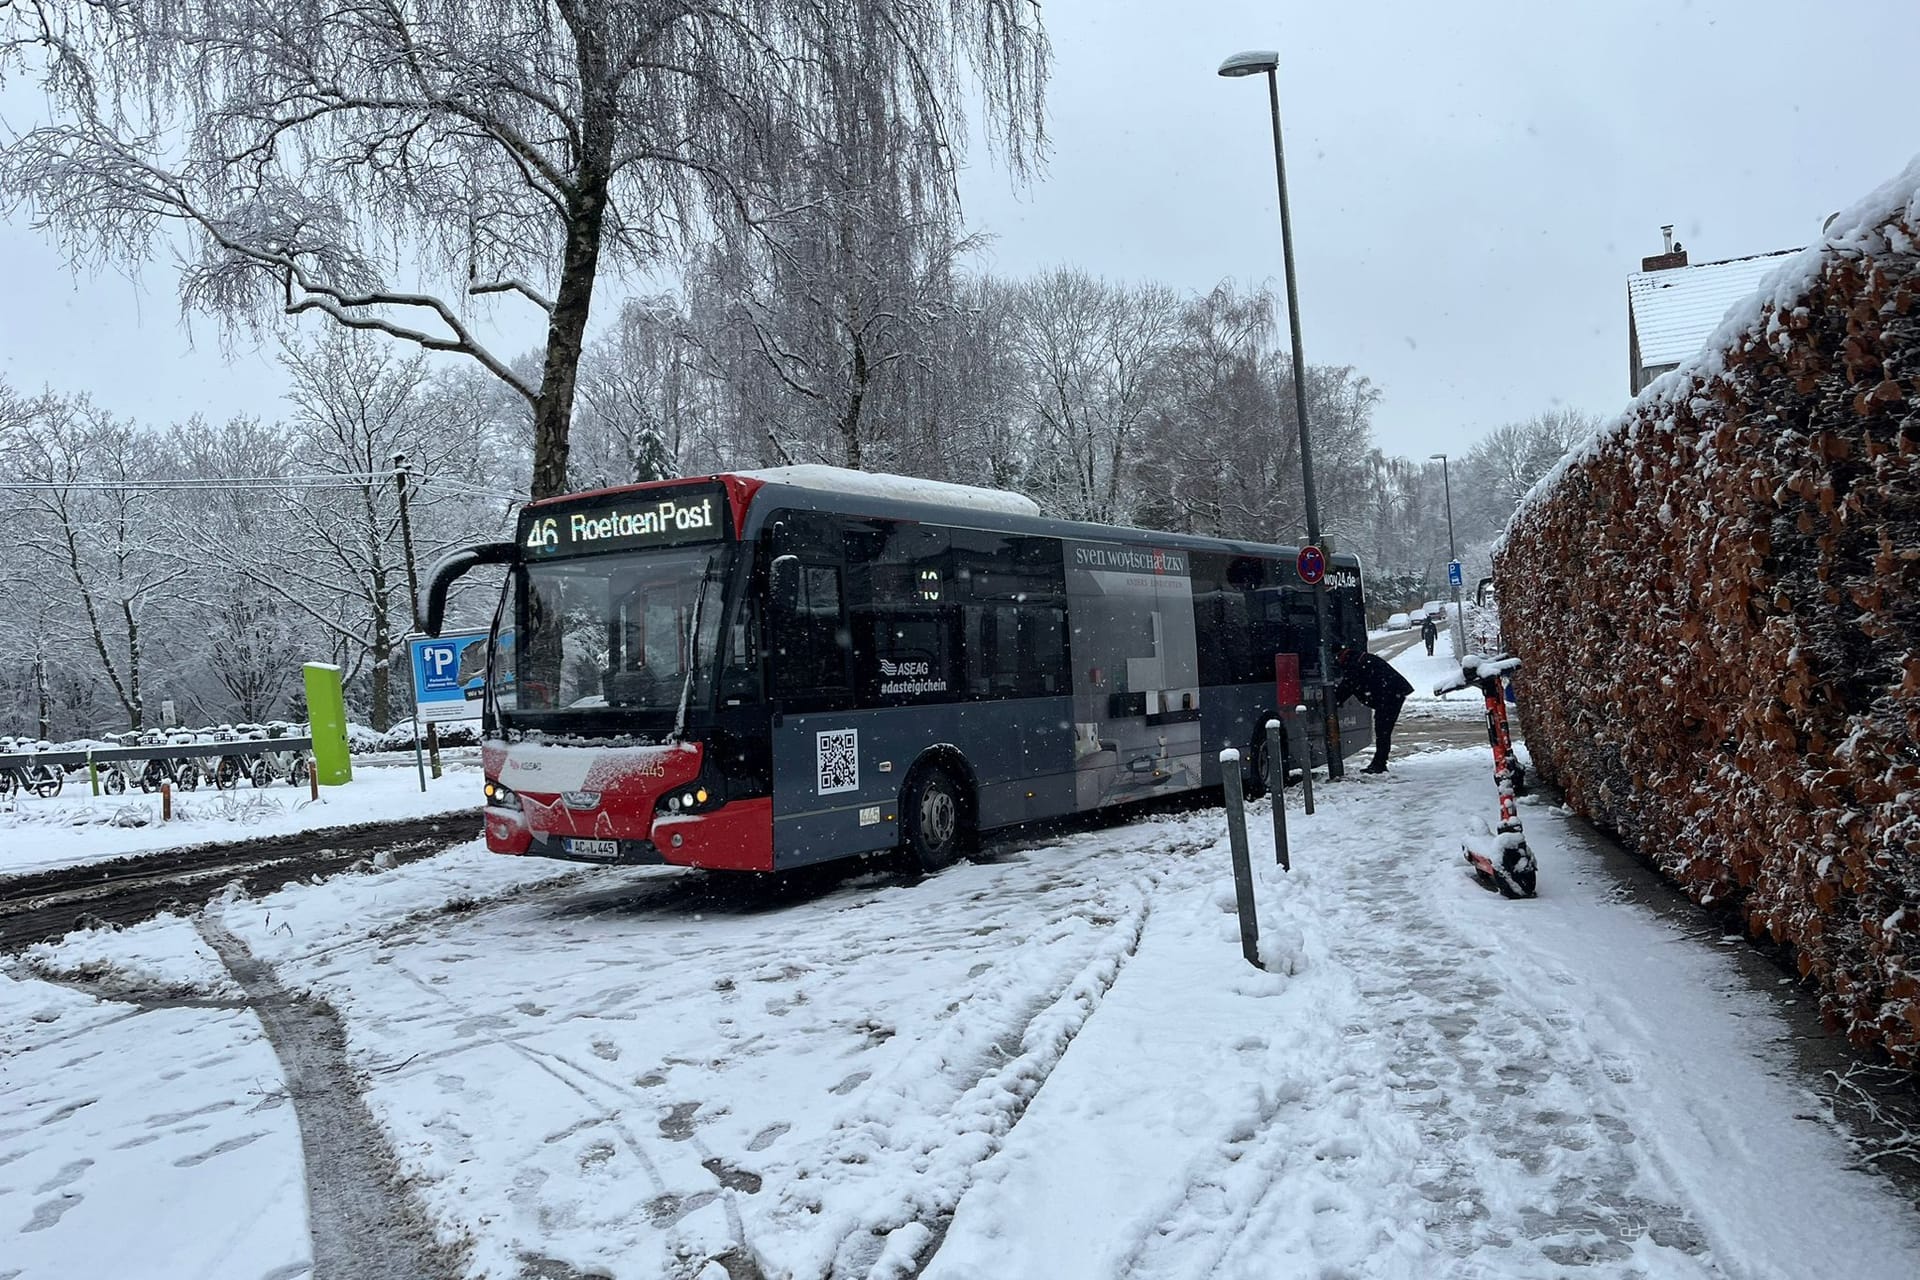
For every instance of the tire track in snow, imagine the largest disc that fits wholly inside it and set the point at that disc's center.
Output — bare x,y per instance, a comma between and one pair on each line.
1030,1044
362,1222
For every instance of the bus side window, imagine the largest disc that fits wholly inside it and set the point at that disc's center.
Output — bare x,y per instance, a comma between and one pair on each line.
740,654
805,630
1010,592
811,653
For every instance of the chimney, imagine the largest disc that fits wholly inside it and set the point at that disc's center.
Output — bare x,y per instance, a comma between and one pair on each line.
1673,256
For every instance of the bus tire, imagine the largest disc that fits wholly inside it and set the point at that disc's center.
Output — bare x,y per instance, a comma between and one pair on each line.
933,819
1253,770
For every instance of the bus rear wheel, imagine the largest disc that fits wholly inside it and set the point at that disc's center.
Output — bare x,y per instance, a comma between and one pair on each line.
1253,770
933,819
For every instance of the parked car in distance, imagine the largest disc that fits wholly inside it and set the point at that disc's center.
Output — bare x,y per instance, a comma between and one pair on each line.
1435,609
1399,622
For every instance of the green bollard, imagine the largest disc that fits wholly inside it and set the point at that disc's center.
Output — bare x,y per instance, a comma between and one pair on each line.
93,773
327,721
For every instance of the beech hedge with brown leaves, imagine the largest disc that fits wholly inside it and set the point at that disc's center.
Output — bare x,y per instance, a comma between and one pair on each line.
1717,602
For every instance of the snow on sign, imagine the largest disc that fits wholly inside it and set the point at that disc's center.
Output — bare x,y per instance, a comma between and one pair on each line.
449,675
1312,564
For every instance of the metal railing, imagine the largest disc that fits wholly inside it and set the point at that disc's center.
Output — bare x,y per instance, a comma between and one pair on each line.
146,765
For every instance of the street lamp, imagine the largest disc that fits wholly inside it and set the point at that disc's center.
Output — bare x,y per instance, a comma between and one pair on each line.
1459,623
1253,62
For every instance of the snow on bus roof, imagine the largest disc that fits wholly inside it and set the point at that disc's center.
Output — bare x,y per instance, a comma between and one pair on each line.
875,484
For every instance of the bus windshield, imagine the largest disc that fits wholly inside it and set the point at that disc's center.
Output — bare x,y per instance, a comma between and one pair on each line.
628,635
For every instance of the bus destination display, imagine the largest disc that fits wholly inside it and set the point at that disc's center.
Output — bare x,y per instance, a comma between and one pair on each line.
643,520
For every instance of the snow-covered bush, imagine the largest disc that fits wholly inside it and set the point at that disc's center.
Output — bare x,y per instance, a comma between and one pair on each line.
453,733
1718,602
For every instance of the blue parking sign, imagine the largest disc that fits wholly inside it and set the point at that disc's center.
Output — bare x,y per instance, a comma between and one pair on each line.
1453,572
449,674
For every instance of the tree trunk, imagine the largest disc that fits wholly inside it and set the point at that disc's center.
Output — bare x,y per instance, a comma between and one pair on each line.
382,648
566,339
856,397
40,691
135,707
93,621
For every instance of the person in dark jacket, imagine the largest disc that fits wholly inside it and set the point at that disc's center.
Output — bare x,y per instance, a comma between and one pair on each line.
1429,633
1373,680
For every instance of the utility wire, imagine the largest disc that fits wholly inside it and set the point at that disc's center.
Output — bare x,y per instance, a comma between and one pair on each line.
331,480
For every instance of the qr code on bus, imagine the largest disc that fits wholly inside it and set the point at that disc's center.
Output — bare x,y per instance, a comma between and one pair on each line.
836,758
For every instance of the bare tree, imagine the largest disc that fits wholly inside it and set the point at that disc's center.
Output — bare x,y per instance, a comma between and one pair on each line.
244,662
642,398
1216,446
1096,355
1510,458
91,521
513,145
964,417
327,550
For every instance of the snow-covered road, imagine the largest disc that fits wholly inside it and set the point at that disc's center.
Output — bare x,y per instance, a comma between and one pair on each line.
1050,1063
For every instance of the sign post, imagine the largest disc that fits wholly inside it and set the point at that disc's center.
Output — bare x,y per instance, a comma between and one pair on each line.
419,760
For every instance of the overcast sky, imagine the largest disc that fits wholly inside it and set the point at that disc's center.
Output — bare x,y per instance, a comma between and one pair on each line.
1470,183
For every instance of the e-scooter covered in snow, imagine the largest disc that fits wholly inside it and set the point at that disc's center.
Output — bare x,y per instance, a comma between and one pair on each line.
1507,864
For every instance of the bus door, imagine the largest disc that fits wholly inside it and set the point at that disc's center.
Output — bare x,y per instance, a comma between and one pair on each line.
819,775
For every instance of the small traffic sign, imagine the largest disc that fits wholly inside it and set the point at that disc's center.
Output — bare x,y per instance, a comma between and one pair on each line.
1453,572
1312,564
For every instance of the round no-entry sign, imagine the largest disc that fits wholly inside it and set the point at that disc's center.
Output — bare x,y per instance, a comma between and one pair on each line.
1312,565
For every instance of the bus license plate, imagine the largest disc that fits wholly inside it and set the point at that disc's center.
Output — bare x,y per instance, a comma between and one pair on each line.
593,848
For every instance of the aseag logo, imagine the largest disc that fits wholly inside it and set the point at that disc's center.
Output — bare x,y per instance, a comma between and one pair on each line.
908,669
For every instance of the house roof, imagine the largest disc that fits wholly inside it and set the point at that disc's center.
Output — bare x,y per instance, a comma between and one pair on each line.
1676,310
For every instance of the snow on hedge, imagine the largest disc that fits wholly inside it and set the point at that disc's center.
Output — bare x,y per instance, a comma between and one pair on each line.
1717,598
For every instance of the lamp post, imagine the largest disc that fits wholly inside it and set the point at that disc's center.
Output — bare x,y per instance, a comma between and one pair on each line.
1459,623
1250,63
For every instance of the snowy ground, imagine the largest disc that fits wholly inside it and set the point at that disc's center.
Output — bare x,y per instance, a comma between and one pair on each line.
39,834
1051,1063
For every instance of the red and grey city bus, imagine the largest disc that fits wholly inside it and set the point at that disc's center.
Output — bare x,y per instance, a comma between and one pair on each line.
763,670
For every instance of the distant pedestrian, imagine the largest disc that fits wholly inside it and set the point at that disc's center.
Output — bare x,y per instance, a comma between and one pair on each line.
1376,684
1429,633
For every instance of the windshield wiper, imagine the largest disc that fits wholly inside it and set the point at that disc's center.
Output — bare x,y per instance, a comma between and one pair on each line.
693,653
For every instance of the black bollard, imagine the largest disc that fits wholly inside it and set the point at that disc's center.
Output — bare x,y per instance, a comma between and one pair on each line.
1242,863
1277,788
1306,758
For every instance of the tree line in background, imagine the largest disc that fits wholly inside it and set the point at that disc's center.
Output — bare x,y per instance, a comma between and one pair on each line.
203,562
392,170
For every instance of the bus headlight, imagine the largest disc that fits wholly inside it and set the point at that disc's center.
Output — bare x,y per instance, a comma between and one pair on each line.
501,796
699,797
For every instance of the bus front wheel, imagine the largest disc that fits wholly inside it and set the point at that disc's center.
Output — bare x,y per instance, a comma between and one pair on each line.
933,819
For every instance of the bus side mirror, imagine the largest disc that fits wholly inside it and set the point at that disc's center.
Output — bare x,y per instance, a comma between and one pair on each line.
783,585
433,609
